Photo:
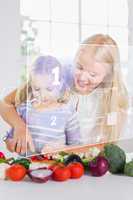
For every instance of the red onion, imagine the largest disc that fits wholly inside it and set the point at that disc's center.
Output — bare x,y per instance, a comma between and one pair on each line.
99,166
40,175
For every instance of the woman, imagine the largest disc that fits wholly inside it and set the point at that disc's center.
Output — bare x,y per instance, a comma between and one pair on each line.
102,99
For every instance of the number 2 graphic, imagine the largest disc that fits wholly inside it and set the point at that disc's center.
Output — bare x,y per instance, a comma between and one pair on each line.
53,121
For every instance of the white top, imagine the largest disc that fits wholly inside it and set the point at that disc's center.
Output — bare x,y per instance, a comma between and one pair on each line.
88,113
88,107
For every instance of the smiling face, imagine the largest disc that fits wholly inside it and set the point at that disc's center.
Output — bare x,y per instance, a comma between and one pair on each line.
89,73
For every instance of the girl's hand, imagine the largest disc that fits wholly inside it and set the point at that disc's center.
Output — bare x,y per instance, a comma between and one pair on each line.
22,140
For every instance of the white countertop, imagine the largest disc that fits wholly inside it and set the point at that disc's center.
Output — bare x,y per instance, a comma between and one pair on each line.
107,187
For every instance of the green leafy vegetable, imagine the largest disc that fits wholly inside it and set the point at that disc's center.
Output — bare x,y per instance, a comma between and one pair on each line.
23,161
128,170
116,158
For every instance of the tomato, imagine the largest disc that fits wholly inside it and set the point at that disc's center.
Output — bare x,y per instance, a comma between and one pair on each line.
39,158
61,174
77,169
16,172
46,158
33,158
2,155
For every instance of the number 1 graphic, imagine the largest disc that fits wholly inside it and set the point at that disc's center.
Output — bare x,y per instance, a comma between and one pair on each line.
55,71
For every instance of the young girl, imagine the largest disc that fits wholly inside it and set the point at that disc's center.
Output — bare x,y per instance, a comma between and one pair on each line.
99,92
43,103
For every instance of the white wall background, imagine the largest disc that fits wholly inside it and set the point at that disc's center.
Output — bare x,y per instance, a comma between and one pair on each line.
9,50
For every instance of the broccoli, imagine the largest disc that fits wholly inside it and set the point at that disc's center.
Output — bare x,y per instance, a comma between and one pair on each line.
116,158
128,170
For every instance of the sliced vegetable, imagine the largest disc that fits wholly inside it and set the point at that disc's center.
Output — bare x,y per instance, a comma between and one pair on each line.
128,170
2,160
40,175
85,162
98,166
59,158
10,161
63,153
23,161
40,158
42,164
2,155
3,168
93,152
35,158
16,172
77,169
116,158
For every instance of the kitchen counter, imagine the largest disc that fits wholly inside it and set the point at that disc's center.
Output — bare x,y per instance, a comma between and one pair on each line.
107,187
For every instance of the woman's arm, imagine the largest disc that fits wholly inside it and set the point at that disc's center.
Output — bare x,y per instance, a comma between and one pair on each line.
9,114
8,111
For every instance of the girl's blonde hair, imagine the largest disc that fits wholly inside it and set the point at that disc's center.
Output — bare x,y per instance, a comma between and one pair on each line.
24,93
42,65
114,97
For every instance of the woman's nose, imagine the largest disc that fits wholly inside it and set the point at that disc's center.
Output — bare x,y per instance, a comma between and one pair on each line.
85,76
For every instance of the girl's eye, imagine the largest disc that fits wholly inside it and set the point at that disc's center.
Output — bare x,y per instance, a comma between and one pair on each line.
37,89
49,89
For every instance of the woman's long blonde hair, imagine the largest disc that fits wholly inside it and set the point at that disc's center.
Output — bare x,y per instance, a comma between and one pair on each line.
114,98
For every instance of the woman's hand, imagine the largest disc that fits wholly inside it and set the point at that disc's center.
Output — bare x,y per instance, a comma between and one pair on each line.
22,140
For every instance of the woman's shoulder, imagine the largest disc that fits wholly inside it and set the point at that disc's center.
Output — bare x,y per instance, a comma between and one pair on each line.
73,100
87,101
